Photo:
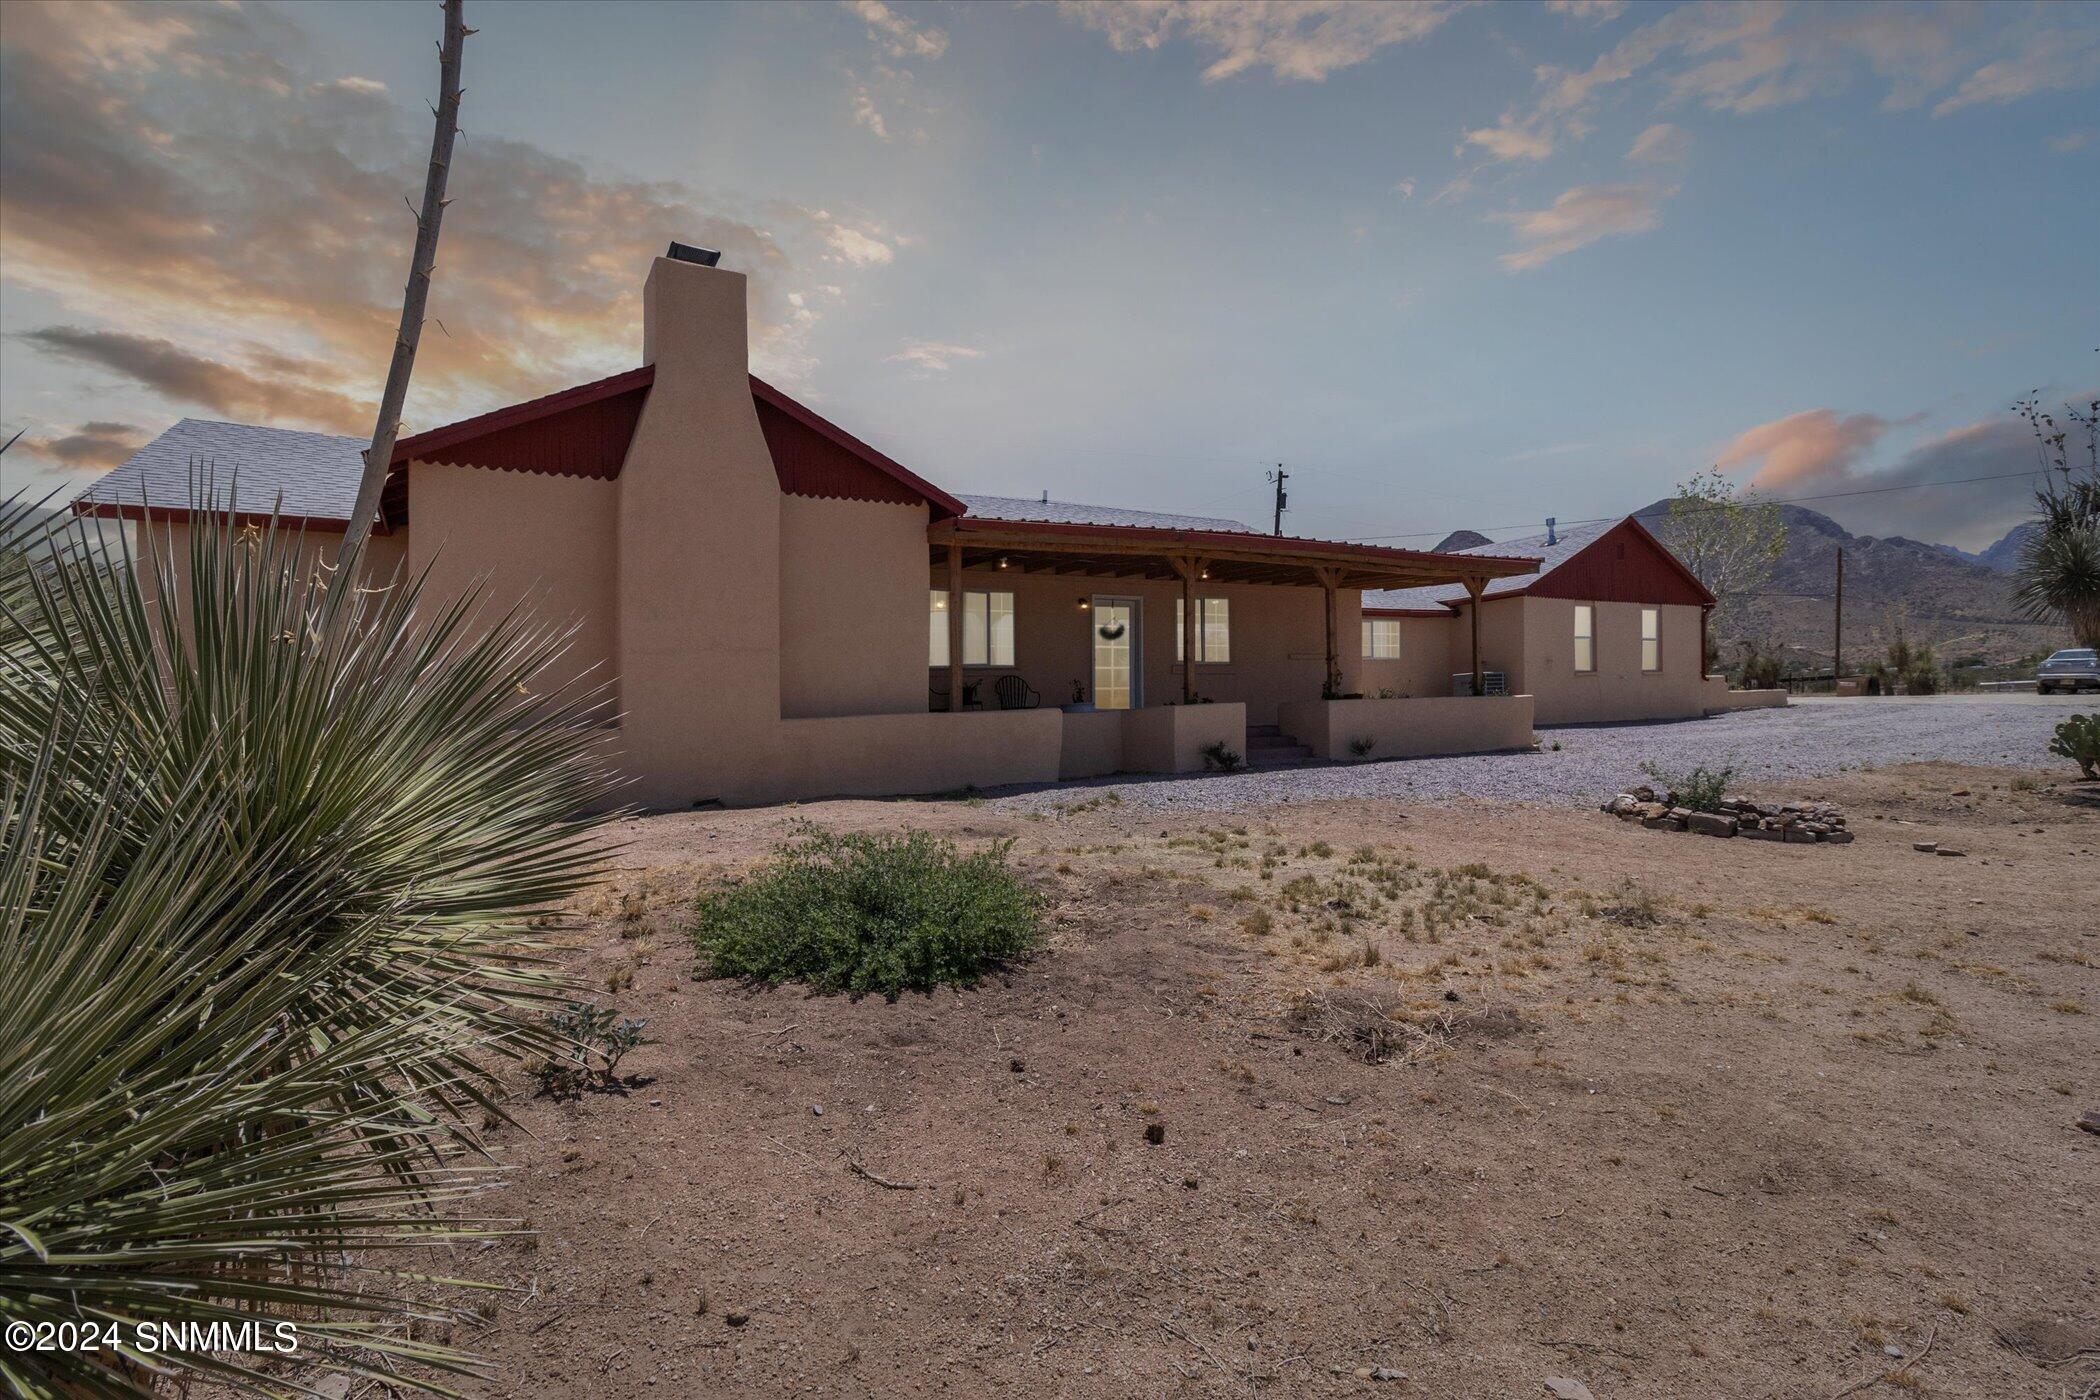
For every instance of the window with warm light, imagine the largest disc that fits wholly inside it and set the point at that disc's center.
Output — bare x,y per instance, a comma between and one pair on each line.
1381,639
1213,631
1585,637
1651,639
988,629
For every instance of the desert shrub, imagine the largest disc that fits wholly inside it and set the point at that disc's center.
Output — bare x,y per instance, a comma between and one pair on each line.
1700,787
269,857
1222,757
2078,739
1362,745
1763,668
594,1041
870,913
1923,677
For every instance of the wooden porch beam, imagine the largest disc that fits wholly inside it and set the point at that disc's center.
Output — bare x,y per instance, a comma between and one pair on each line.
1475,586
955,628
1329,582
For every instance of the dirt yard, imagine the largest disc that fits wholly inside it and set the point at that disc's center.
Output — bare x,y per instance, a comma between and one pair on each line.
1662,1114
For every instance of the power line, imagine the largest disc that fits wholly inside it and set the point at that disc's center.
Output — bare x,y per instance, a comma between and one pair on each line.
1755,501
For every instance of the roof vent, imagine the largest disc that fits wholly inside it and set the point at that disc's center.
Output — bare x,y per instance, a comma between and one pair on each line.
686,252
1551,536
1046,498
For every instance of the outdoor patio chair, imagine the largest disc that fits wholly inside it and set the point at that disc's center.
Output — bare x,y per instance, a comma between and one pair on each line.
1016,694
937,696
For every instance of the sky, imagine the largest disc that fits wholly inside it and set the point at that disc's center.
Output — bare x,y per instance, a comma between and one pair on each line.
1450,265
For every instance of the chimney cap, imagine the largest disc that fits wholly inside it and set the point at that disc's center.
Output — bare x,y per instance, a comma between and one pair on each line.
687,252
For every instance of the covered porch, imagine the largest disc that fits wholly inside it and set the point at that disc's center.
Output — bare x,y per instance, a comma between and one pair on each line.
1101,620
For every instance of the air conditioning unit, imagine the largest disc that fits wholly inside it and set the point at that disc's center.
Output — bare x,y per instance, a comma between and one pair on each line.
1496,682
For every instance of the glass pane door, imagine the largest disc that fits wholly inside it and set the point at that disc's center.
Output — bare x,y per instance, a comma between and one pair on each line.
1115,631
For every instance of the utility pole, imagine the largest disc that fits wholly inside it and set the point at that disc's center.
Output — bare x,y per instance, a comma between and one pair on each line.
1280,476
1837,640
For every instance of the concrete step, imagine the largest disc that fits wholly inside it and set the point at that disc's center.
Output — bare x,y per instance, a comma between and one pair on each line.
1263,731
1277,753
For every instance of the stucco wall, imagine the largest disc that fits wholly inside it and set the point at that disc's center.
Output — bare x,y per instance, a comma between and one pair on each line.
1618,690
1171,738
852,608
1424,666
1411,728
884,755
547,542
1093,743
1278,639
169,543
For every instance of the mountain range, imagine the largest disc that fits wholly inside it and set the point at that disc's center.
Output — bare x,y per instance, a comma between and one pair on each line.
1957,602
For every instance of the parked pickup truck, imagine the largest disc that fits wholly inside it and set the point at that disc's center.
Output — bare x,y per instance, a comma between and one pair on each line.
2073,669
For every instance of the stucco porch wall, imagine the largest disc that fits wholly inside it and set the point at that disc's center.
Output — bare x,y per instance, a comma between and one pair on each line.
1424,665
1171,738
889,755
1410,728
1720,699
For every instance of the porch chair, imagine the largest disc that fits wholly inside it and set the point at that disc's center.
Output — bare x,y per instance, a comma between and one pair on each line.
1015,694
937,696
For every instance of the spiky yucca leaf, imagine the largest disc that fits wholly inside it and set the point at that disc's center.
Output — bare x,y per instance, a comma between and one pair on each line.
390,763
163,1157
2058,579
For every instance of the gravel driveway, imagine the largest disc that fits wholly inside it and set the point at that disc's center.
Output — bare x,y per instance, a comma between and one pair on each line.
1808,738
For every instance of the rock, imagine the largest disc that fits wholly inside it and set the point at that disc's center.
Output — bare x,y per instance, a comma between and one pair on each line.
1839,838
817,1109
736,1319
1565,1389
1379,1373
1950,851
1015,1064
1678,814
1928,847
2090,1122
1711,824
1763,833
1155,1133
1800,835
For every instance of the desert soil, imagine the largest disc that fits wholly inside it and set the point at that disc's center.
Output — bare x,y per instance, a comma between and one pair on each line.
1663,1114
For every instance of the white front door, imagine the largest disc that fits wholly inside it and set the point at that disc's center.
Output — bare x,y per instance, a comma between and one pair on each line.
1118,655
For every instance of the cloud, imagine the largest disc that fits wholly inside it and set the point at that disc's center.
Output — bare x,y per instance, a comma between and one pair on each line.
899,37
1661,144
1757,55
929,357
1304,41
94,446
1579,218
1821,452
1802,449
179,184
865,113
1589,11
289,392
2048,61
2071,141
1404,188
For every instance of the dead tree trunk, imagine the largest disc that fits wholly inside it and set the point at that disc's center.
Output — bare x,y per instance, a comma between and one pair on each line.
381,452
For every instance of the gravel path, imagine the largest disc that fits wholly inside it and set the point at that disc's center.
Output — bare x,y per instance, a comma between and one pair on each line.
1808,738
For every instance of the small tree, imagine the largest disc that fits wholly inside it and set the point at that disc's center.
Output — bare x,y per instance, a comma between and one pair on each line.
1730,540
2058,579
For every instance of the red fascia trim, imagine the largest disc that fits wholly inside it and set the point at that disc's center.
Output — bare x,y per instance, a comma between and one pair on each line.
1646,537
1232,539
1445,613
109,510
944,505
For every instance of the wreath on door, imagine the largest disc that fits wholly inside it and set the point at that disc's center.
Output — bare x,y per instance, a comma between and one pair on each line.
1110,631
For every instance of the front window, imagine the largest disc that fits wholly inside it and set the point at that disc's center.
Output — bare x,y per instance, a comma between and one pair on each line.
1213,631
1585,637
1651,639
1381,639
988,629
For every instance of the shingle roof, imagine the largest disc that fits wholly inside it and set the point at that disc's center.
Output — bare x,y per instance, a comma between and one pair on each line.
1066,513
1567,544
310,476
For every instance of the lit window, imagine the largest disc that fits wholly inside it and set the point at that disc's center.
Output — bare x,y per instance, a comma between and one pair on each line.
988,629
1651,639
1381,639
1213,631
1585,637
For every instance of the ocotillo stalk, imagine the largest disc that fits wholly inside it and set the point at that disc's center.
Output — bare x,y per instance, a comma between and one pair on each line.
381,452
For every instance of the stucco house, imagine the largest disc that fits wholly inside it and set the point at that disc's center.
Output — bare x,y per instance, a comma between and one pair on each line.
1610,627
784,612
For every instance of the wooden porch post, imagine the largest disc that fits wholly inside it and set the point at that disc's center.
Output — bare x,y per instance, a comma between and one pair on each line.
1474,588
1330,581
955,627
1189,569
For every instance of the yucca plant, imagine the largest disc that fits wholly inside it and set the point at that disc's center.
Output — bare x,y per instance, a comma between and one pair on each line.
275,844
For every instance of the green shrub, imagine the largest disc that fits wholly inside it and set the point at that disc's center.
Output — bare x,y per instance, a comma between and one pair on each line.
1222,757
1763,669
869,913
1362,745
1700,787
2078,739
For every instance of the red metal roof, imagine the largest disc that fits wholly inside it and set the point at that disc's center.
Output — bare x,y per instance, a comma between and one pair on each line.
1255,542
585,431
